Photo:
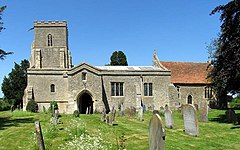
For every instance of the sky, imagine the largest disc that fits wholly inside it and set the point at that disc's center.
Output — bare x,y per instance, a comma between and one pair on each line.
179,30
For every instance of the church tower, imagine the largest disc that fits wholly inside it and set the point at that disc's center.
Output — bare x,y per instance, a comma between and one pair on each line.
50,46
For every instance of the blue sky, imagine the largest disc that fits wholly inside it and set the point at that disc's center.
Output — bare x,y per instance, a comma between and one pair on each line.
179,30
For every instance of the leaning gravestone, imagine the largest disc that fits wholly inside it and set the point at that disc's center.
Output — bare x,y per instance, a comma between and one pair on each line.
230,116
140,114
156,133
190,119
168,118
204,111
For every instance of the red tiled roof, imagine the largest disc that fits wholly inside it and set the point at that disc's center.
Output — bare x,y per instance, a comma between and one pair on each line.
187,72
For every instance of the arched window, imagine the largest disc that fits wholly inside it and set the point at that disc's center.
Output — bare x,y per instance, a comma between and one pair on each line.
52,87
49,39
189,99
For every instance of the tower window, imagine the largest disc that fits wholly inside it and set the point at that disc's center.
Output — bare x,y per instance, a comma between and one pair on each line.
49,39
52,87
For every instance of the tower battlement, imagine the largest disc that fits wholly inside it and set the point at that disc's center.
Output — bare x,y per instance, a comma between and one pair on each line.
50,23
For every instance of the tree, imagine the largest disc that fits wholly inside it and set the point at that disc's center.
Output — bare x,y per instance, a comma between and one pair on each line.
118,58
2,52
225,70
13,86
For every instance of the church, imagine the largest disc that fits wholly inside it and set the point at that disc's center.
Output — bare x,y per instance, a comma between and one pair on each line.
52,77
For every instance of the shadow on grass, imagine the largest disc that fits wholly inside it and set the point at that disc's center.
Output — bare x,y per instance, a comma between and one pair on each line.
9,122
236,127
223,119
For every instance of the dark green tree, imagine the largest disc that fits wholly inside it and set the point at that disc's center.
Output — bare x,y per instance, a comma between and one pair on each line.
118,58
13,86
2,52
225,66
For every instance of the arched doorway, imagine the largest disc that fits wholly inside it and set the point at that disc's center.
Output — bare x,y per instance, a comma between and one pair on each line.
85,104
189,101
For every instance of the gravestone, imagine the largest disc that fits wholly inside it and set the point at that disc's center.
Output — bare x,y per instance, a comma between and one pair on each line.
87,110
121,110
190,119
161,110
107,119
168,118
140,114
156,133
151,108
103,118
196,106
230,116
204,111
54,118
131,112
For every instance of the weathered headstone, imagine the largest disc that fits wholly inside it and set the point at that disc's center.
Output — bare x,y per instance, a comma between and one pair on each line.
54,118
87,110
168,119
196,106
121,110
156,133
103,118
112,117
161,110
204,111
140,114
190,119
131,112
107,119
151,108
230,116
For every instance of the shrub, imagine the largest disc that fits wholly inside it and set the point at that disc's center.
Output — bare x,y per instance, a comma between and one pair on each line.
235,103
76,113
4,105
44,109
32,106
53,106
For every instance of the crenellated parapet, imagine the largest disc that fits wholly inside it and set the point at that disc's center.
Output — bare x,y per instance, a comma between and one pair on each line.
50,23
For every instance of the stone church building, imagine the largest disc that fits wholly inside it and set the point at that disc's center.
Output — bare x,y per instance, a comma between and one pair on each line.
52,77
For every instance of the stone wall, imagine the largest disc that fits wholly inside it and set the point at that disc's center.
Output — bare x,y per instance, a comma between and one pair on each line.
196,91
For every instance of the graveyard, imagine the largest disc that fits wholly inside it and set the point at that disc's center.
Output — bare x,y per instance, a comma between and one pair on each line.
128,131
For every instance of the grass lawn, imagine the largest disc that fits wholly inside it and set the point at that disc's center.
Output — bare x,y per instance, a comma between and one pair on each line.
17,132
